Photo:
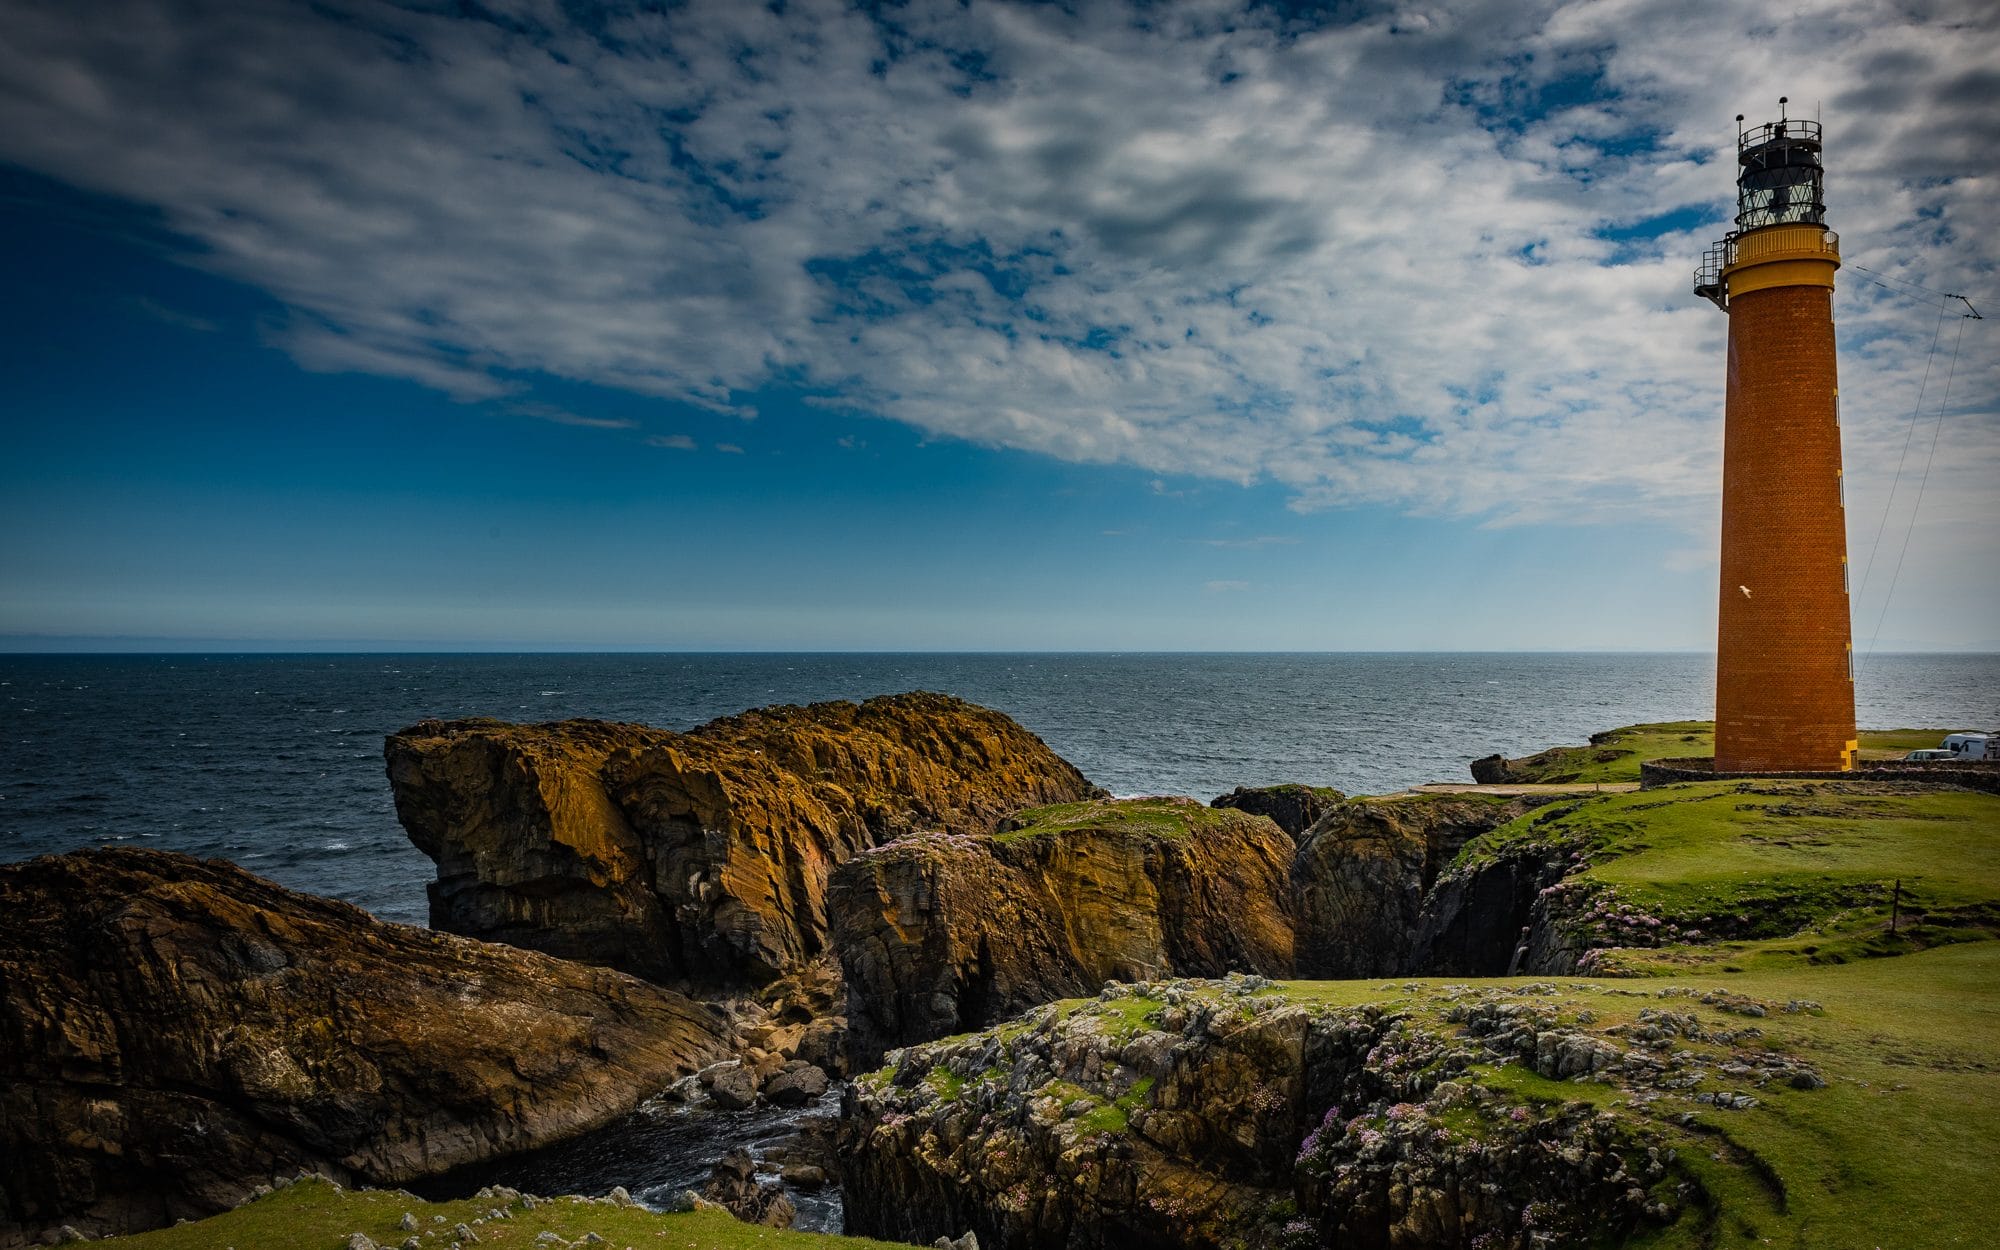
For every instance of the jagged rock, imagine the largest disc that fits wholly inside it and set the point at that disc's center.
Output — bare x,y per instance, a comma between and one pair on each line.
1292,807
798,1083
968,1242
939,934
1170,1115
1363,872
1492,770
733,1186
704,855
173,1031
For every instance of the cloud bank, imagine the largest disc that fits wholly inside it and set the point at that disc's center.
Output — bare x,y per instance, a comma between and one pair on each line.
1430,256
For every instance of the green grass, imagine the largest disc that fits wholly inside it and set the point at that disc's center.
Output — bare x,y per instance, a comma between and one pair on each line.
1806,868
315,1215
1897,1151
1156,817
945,1083
1617,754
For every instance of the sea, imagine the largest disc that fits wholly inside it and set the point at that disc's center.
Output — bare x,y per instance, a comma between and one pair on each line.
275,762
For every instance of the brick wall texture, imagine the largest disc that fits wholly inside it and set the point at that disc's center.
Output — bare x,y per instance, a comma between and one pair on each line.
1784,697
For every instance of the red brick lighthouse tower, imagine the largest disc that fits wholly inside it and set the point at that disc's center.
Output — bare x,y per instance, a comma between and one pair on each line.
1784,678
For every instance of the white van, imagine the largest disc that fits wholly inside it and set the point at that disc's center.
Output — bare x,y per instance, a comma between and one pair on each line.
1973,746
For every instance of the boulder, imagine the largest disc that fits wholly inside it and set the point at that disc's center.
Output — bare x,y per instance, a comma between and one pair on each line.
940,934
174,1032
697,857
798,1083
732,1087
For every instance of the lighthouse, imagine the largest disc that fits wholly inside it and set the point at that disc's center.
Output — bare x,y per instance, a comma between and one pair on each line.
1784,658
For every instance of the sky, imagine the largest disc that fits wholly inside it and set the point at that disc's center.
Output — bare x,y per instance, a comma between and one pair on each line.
961,326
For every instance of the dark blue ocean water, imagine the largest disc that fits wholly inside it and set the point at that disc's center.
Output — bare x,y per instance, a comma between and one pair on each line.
276,761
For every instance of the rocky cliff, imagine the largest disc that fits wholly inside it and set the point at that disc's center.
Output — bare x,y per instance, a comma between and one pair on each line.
697,857
1809,973
939,934
1364,874
1196,1116
174,1032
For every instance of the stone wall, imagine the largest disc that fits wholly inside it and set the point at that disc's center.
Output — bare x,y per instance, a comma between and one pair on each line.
1966,775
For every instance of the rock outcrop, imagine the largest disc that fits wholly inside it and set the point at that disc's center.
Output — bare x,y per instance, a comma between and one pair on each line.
733,1186
939,934
1292,807
174,1032
699,857
1191,1116
1362,877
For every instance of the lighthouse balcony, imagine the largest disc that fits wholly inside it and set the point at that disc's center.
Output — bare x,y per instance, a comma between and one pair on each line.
1774,252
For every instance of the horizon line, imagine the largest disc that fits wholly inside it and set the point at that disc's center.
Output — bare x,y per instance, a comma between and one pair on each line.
289,647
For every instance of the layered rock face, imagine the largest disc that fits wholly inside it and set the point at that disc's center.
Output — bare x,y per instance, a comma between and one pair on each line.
1362,878
940,934
697,857
175,1031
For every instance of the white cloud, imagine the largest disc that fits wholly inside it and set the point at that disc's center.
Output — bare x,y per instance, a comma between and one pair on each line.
563,416
1357,261
672,442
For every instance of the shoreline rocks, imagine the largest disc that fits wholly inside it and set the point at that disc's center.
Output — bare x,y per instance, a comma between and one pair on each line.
174,1032
699,858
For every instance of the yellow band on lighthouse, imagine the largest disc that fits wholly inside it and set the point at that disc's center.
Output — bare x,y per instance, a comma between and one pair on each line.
1789,255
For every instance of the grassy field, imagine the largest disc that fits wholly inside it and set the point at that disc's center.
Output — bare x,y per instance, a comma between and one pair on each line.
1812,868
1617,754
317,1215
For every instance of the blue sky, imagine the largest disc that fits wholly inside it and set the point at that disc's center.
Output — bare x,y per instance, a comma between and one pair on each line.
993,326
